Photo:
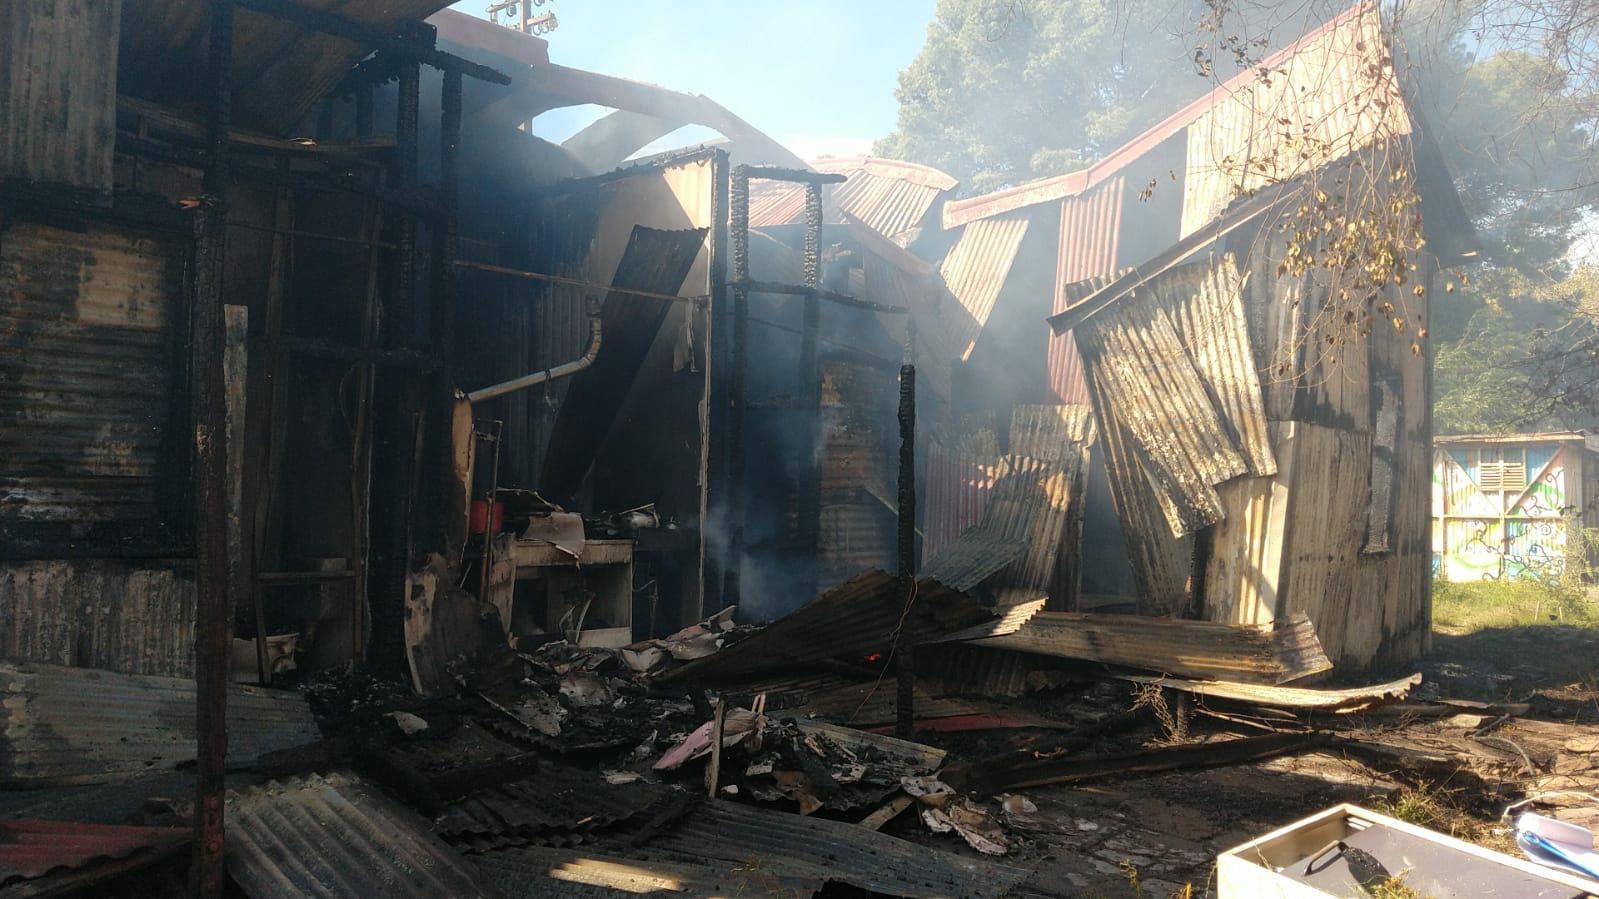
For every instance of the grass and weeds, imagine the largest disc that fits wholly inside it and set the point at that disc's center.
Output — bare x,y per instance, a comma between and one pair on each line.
1459,609
1431,807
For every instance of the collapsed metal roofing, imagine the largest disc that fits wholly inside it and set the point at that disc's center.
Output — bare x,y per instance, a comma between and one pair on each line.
890,196
81,725
336,836
976,269
33,849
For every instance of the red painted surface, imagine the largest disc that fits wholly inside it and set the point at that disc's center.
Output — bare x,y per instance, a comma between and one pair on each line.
31,848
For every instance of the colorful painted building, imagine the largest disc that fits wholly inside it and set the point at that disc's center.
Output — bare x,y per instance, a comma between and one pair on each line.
1504,506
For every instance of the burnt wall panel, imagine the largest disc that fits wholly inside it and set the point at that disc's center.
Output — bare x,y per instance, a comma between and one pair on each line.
58,85
89,447
137,618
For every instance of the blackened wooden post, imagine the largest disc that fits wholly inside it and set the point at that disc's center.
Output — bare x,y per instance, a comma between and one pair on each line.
207,336
904,659
403,327
810,392
739,235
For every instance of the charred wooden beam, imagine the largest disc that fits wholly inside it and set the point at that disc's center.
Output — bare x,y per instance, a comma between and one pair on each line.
339,26
739,238
905,662
800,176
212,640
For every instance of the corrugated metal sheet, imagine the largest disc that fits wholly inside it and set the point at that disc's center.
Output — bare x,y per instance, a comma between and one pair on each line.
535,873
976,268
1020,533
1352,41
58,86
78,725
856,468
1179,375
1349,699
834,851
1090,231
335,836
32,849
120,616
978,671
556,806
1051,433
1160,562
1200,649
280,70
861,616
1340,83
955,494
86,317
890,196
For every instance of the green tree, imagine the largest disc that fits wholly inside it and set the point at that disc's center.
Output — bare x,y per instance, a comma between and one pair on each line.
1005,91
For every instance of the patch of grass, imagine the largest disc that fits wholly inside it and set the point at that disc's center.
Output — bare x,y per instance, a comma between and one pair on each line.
1471,607
1429,806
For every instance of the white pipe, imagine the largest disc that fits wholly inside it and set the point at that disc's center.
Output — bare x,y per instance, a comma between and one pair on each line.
564,370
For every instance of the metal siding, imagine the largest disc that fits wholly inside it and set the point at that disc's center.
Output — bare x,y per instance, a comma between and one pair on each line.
1018,540
956,493
58,65
334,836
1340,84
975,270
125,617
1090,226
79,725
889,196
87,319
1326,530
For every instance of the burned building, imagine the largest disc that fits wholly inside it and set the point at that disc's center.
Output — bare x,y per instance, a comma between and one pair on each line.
547,472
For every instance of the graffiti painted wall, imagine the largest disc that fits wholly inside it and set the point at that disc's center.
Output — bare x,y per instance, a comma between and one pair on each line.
1500,510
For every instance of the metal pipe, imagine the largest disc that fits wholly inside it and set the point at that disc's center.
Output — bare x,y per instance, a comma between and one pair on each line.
564,370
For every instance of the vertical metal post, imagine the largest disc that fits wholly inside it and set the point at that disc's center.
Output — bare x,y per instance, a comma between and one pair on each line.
739,226
904,657
810,498
207,334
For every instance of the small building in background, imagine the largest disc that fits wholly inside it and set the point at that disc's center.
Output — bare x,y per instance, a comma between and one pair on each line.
1505,506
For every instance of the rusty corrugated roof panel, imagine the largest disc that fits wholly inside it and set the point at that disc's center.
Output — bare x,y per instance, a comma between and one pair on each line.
1090,234
59,105
863,615
1051,433
121,616
976,268
1343,49
336,836
834,851
80,725
890,196
1200,649
955,495
32,849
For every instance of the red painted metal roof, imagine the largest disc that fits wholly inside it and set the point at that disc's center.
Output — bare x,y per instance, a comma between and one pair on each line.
31,848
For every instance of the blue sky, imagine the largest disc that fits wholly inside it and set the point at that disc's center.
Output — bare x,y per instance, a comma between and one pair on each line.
817,75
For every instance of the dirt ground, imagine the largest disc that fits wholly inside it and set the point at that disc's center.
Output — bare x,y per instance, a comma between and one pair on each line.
1503,715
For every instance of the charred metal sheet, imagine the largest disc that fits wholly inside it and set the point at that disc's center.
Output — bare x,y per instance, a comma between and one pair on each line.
1023,521
976,269
873,703
280,69
33,849
134,618
890,196
1051,433
979,671
556,806
336,836
656,261
88,322
864,615
1199,649
1350,699
797,846
563,873
58,67
1013,614
80,725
